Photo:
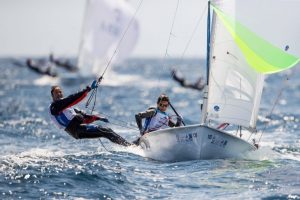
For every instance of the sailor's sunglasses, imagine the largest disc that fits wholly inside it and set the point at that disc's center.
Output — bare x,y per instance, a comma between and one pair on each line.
163,105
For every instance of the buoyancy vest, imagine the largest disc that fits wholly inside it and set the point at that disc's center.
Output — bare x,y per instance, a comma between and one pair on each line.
61,111
159,120
63,119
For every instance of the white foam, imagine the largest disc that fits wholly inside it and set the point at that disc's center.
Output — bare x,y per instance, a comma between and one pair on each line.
48,156
46,80
137,150
263,153
115,79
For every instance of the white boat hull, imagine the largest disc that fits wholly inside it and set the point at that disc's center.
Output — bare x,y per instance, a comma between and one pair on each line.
193,143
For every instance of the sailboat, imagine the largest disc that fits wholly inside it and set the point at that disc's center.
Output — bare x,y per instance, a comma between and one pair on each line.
105,24
237,60
110,32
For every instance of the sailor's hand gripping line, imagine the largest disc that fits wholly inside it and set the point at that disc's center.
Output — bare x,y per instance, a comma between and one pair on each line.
94,87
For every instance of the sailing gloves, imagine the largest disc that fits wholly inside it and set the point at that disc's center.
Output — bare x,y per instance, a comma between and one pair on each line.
179,121
142,131
94,85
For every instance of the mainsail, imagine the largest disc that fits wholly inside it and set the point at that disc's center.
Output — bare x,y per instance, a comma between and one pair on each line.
105,23
240,57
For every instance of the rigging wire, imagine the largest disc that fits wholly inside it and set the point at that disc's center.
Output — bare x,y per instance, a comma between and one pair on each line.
171,31
193,33
191,36
123,35
186,46
94,92
167,47
114,53
286,79
166,52
95,98
122,123
104,146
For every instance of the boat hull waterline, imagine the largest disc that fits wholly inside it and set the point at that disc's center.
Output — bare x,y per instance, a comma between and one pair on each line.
193,143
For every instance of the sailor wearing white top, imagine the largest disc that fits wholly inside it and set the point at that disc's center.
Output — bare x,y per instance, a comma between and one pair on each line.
156,118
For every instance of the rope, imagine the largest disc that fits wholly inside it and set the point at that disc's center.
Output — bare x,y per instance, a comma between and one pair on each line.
186,46
167,47
124,126
274,105
171,32
120,41
193,33
130,126
166,51
191,36
94,104
113,55
185,49
104,146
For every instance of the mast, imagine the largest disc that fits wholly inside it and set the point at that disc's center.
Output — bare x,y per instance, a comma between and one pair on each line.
208,43
205,91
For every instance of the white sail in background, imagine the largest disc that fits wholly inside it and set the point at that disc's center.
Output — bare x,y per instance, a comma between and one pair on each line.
104,25
235,87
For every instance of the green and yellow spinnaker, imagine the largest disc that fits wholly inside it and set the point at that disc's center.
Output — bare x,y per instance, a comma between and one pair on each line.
259,53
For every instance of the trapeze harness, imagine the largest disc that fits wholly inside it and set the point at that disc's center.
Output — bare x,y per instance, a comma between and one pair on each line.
62,115
159,120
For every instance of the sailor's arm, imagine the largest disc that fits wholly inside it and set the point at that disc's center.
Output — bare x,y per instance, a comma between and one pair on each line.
140,116
90,118
60,105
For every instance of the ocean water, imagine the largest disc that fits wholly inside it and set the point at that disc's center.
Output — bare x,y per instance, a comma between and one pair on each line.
38,161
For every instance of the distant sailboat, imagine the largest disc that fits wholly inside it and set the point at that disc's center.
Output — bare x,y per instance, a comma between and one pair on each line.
105,23
237,60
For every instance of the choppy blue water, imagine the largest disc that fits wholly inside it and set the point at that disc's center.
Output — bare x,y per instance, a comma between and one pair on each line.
39,161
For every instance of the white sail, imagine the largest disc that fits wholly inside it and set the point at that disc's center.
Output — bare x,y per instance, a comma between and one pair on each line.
235,88
242,50
105,23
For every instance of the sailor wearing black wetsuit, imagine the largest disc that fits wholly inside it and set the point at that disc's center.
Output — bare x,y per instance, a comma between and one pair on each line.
76,122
